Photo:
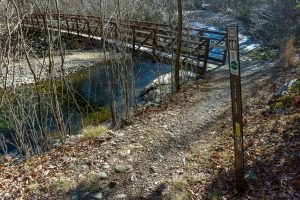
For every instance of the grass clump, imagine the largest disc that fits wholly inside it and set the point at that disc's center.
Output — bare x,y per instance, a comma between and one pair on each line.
61,185
94,132
33,187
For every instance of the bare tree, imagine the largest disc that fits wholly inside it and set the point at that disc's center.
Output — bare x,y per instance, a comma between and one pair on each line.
179,44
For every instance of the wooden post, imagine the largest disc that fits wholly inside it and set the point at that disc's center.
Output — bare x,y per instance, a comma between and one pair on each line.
224,57
200,34
198,51
77,27
95,31
88,27
206,54
133,42
37,21
68,27
154,45
236,97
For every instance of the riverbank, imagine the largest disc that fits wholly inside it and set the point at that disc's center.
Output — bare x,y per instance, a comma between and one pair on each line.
19,72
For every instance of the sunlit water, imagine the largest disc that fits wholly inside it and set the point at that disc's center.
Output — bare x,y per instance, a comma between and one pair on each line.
247,43
91,90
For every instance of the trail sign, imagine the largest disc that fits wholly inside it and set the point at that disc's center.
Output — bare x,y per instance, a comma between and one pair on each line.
236,97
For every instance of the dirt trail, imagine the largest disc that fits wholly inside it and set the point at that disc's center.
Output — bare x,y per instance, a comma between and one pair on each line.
157,146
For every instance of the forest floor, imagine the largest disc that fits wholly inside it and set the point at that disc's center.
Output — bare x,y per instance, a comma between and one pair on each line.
182,149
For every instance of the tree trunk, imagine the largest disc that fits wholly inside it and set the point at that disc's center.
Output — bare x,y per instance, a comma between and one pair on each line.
179,44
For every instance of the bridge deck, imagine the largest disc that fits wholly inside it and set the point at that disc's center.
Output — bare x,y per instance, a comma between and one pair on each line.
201,48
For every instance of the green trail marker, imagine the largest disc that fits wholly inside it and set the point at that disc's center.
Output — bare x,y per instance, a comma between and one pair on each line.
236,98
234,65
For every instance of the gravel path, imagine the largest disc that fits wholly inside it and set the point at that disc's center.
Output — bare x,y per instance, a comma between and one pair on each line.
156,145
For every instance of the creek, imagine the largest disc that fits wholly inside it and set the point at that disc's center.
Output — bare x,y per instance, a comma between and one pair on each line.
90,89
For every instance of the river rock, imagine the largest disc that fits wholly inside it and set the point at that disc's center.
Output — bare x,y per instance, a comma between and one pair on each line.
105,166
124,168
121,196
96,195
102,175
75,197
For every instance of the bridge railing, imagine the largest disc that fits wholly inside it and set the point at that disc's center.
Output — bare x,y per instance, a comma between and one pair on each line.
200,45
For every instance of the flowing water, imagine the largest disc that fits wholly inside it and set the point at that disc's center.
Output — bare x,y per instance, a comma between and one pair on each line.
91,92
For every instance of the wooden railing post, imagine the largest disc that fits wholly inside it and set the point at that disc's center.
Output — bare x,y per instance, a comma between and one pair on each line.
37,21
154,45
224,57
198,53
133,41
206,54
88,27
68,27
77,27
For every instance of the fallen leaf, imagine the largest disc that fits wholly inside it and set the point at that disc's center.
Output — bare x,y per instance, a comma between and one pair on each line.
297,182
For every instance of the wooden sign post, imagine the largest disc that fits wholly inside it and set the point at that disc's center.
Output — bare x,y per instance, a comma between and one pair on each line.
236,97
